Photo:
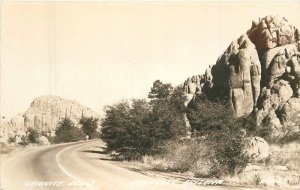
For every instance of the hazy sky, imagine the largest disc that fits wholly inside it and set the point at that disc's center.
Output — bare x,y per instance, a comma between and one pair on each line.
99,52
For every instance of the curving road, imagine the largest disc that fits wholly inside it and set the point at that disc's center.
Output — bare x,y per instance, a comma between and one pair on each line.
72,166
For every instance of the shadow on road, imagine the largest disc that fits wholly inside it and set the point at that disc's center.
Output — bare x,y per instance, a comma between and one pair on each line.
96,151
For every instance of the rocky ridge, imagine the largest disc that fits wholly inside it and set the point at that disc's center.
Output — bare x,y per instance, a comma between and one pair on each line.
43,115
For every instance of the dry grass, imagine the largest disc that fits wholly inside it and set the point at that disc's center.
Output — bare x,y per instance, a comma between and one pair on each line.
281,170
181,157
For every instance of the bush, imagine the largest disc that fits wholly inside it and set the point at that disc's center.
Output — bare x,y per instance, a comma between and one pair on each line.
11,139
33,135
24,141
67,132
137,128
206,116
189,155
228,147
214,121
125,128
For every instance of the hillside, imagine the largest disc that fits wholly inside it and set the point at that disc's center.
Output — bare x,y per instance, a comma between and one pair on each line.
43,114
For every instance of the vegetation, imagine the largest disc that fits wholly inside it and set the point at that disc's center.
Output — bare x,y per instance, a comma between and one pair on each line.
67,132
124,128
33,135
11,139
136,128
214,120
89,126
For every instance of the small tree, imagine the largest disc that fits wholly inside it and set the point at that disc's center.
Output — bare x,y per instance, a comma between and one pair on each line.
160,90
89,126
167,116
67,132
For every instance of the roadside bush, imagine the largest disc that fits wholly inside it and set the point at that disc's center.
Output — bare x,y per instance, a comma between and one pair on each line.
24,141
228,147
183,156
136,128
125,129
190,155
33,135
67,132
11,139
214,121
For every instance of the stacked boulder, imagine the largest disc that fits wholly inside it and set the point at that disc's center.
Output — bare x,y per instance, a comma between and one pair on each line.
259,74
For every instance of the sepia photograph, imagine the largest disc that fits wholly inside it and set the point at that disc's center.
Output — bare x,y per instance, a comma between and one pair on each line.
149,95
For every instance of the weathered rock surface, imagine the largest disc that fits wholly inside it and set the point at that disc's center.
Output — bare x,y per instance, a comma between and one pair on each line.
257,148
192,87
42,140
43,115
259,74
272,31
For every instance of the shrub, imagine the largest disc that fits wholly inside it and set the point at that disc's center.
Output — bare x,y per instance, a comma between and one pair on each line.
67,132
24,141
125,128
11,139
137,128
189,156
32,135
228,149
214,121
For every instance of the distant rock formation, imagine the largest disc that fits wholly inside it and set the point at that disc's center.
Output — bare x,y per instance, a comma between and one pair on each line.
44,114
259,73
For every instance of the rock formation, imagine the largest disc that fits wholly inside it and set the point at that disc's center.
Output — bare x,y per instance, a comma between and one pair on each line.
272,31
256,148
43,115
259,74
192,87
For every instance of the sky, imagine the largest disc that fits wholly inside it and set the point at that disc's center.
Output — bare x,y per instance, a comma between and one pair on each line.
98,53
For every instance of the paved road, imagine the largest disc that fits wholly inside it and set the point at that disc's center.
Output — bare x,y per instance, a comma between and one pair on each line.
71,166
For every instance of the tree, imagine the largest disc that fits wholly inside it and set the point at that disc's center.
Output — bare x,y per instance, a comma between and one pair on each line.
136,128
160,90
89,126
215,121
167,119
67,132
125,128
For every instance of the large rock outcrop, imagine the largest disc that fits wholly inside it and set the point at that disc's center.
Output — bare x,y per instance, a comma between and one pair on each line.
259,74
44,114
272,31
